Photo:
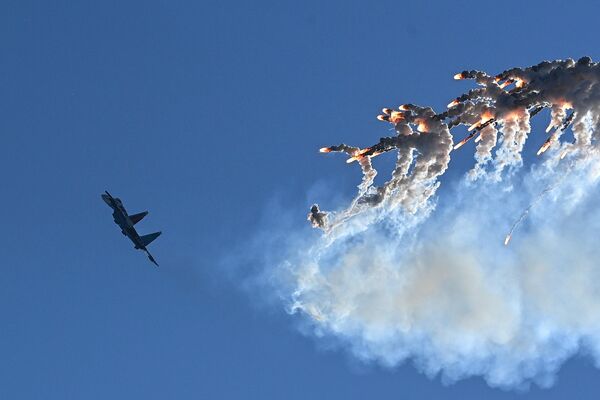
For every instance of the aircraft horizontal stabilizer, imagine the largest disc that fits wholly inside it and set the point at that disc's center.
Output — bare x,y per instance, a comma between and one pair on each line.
149,238
135,218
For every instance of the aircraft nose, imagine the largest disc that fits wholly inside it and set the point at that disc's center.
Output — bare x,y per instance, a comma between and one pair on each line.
106,199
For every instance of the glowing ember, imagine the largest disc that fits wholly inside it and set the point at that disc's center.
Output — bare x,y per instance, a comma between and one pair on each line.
453,103
460,144
475,125
544,147
567,106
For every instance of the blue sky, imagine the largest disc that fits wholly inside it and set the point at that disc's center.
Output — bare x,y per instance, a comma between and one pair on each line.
205,113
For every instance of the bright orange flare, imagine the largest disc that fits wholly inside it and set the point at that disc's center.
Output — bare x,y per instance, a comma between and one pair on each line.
458,76
396,116
325,150
550,126
359,154
567,106
564,154
478,139
386,111
403,107
453,103
460,144
519,83
383,118
475,125
505,83
545,146
485,118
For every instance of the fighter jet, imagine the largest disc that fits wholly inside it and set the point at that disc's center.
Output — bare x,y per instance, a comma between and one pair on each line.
126,223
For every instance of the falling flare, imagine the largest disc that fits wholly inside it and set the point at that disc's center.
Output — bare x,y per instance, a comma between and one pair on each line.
461,143
358,155
396,116
474,126
545,146
539,197
453,103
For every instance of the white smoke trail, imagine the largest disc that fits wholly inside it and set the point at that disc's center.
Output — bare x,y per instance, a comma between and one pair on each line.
450,297
396,279
483,153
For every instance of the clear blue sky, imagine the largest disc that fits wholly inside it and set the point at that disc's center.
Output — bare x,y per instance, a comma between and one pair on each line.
204,112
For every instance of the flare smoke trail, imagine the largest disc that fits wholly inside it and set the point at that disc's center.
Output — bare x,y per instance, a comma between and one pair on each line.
399,275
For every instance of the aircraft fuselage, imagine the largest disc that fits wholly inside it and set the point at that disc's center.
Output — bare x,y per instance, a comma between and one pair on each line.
122,219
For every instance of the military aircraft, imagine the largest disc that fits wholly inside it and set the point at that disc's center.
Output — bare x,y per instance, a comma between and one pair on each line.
126,223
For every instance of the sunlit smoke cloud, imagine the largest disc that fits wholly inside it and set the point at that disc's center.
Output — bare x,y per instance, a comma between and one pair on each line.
399,275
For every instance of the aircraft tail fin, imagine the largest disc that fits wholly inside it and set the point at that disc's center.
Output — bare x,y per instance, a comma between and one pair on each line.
135,218
149,238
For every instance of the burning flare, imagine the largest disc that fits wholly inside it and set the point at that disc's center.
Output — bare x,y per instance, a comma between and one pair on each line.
545,146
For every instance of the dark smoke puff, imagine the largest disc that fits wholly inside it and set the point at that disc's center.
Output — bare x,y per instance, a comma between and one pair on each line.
317,218
584,61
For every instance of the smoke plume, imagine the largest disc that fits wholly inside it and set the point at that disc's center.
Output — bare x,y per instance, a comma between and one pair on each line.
400,275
